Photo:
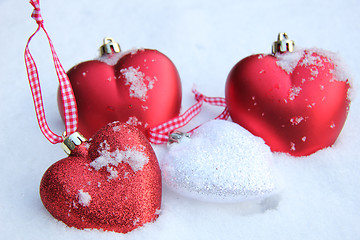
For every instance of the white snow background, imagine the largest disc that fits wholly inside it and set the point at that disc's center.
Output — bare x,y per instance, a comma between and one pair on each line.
204,39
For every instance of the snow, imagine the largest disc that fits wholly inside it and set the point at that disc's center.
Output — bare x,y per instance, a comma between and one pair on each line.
138,82
111,159
289,61
204,39
311,57
296,120
133,121
114,58
84,198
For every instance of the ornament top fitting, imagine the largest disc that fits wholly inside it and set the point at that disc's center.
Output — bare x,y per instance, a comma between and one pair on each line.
71,141
109,47
283,44
176,136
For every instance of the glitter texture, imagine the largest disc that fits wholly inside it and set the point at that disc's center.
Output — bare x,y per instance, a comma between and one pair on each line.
83,196
221,162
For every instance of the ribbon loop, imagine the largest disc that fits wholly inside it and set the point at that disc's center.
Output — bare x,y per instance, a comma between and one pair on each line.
70,108
160,134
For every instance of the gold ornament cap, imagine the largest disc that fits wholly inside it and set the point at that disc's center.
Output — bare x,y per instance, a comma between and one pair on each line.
71,141
283,44
109,47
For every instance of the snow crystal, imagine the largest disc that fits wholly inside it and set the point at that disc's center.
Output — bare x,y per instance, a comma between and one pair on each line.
84,198
311,105
296,120
117,128
292,146
314,71
138,82
110,160
133,121
136,221
294,92
311,60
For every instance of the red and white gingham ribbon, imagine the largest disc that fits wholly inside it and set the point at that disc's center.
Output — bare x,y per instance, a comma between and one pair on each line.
70,109
160,134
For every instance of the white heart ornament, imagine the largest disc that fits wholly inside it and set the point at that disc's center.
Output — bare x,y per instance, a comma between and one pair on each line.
221,162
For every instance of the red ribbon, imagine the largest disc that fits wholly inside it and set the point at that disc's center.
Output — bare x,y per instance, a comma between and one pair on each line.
160,134
70,109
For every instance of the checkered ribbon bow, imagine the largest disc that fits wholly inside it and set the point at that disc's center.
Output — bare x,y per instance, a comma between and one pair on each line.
70,109
160,134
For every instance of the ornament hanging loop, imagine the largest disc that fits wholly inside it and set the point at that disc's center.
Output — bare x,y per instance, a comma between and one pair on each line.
36,15
165,133
109,47
283,44
71,141
67,94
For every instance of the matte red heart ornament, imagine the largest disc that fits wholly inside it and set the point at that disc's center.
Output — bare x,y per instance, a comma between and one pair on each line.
140,87
112,182
296,101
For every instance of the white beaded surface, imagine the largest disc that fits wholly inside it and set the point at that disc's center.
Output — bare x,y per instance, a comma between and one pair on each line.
221,162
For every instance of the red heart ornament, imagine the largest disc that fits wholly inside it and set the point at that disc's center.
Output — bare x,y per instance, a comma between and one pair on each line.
140,87
113,182
296,101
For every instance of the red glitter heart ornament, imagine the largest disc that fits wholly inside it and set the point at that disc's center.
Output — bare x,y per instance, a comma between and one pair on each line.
140,87
296,101
112,182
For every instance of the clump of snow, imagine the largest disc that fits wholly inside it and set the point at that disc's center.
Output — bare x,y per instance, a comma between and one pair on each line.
138,82
294,92
288,61
340,71
314,71
296,120
133,121
117,128
112,59
312,57
292,146
110,160
84,198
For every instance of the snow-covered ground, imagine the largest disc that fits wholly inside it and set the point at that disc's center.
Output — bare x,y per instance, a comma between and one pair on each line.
320,197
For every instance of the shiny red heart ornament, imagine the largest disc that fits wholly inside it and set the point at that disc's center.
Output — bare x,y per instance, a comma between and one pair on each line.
140,87
296,101
112,182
